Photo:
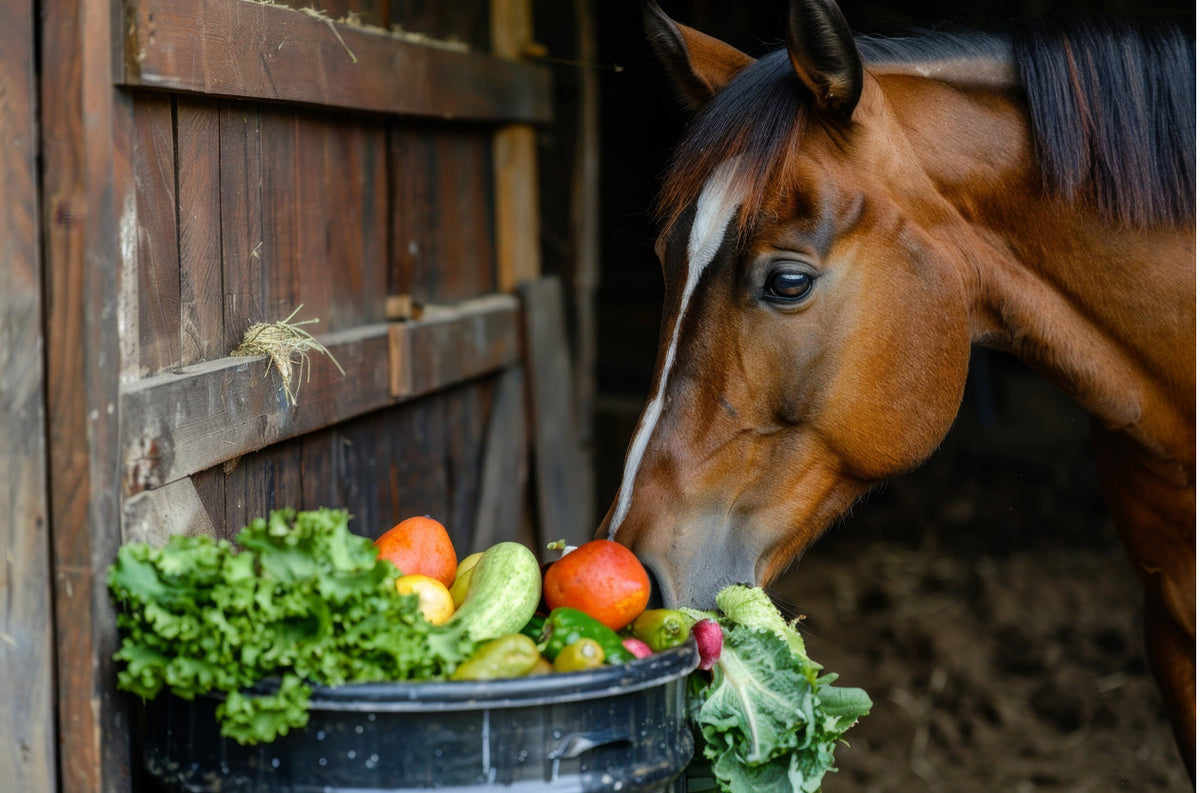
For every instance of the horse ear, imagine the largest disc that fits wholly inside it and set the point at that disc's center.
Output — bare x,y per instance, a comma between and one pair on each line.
698,64
824,54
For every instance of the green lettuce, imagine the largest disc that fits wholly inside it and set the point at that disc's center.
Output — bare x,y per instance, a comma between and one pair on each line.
768,719
299,599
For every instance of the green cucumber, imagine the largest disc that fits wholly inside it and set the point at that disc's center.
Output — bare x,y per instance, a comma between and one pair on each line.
505,589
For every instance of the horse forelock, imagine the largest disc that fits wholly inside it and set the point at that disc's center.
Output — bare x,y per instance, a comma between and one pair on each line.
754,122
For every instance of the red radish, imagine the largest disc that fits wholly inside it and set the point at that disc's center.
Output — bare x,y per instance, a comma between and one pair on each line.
708,640
636,646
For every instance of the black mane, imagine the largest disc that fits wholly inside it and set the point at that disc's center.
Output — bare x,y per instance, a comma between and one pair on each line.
1111,105
1113,108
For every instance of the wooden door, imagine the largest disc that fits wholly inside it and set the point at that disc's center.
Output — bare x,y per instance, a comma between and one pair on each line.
212,164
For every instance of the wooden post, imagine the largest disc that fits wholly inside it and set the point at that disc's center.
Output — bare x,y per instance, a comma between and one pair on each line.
515,154
26,618
89,222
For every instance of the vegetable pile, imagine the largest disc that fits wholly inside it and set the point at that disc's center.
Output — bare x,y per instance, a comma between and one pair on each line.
299,600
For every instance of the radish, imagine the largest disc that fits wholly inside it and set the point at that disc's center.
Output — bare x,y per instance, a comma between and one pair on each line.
708,640
636,646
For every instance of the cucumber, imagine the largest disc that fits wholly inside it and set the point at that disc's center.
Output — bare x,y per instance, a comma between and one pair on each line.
505,589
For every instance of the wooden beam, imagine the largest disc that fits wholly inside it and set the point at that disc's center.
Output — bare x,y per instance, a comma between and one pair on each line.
251,50
174,425
518,250
178,424
26,607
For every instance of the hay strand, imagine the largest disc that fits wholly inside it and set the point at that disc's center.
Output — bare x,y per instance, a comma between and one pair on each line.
287,346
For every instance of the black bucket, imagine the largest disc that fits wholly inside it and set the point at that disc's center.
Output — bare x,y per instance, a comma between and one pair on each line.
617,728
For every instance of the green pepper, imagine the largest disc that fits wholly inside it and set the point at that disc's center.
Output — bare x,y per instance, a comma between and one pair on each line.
511,655
662,628
567,625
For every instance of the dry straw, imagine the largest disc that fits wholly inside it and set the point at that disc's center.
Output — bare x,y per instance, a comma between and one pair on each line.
287,346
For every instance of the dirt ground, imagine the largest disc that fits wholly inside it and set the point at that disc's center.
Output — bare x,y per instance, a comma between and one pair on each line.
985,604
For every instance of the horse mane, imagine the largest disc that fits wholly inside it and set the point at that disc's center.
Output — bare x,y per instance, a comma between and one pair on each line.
1111,106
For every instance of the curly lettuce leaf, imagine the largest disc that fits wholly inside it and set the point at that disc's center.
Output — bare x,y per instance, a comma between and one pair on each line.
768,721
300,598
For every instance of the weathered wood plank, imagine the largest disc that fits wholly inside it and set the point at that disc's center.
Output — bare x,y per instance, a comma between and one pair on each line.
155,515
174,425
156,327
463,261
201,298
202,314
262,481
451,344
281,253
236,48
321,463
563,481
382,467
409,472
244,278
442,230
464,412
269,478
341,207
88,201
26,611
505,467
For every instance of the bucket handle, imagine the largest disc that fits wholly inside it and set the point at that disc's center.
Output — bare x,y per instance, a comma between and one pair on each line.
573,745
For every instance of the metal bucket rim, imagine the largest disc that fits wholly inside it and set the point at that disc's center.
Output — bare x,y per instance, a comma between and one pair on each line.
606,681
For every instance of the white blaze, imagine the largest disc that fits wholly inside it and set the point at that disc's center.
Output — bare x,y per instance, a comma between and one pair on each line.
716,206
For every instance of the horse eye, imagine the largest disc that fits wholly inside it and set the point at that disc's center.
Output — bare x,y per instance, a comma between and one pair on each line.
788,285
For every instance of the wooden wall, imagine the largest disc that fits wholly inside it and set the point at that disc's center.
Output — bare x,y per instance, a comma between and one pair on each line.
210,164
26,628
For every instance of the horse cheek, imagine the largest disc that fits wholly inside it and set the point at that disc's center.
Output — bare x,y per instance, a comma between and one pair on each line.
898,401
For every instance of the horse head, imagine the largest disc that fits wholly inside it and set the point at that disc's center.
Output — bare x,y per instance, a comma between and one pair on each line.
815,335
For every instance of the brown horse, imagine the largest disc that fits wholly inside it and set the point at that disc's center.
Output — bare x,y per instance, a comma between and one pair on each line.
845,218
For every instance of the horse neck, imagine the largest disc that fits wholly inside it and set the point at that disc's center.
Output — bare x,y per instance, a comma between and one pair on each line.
1106,313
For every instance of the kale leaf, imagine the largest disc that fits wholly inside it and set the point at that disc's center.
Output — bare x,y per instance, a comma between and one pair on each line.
768,720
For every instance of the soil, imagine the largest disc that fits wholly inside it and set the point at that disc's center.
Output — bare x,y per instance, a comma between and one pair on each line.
986,605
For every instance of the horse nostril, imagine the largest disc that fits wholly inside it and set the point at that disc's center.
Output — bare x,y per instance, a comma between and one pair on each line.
656,597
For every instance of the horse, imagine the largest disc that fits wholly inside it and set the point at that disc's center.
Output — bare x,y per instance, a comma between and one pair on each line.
842,221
